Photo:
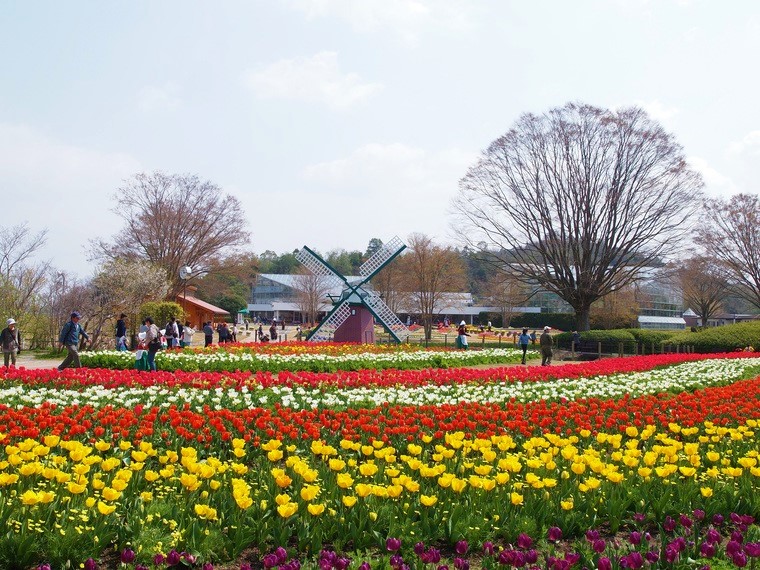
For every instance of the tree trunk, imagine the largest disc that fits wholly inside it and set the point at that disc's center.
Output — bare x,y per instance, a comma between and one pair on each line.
582,319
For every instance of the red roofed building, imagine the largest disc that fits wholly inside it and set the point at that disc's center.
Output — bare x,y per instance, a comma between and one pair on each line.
199,312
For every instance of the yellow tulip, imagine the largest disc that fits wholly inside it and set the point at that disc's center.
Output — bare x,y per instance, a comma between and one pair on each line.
282,499
76,488
363,490
315,509
706,492
110,494
309,492
567,505
458,485
275,455
30,498
105,509
349,500
516,498
428,501
368,469
287,510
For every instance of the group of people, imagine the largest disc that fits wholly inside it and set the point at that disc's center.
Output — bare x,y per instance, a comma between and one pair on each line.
546,342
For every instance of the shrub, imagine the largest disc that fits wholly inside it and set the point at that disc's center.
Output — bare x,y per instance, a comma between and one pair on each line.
537,321
727,338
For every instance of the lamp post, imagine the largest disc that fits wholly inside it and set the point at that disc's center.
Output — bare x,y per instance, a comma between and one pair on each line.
185,272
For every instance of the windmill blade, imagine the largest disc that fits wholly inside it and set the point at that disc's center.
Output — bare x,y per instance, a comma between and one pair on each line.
387,318
381,257
326,329
320,267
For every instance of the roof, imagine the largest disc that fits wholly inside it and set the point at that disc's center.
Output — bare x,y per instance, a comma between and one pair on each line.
662,320
203,304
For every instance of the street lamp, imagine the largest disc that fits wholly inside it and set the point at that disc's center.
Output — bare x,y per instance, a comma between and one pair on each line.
185,273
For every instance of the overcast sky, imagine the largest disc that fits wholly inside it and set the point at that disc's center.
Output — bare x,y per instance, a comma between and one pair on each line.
336,121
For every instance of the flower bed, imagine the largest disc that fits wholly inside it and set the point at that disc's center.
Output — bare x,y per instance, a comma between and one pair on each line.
223,360
92,458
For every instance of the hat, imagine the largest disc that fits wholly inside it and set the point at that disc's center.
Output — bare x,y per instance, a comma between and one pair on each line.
10,322
462,323
547,328
75,315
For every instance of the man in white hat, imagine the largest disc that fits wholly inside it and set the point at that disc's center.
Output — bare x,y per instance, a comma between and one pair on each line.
10,339
546,341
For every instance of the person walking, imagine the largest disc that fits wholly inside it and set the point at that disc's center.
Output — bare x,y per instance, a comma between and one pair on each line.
69,337
153,341
546,341
10,338
524,341
462,336
208,334
121,333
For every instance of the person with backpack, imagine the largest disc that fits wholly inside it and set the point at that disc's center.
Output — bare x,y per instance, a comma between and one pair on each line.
171,332
153,342
69,338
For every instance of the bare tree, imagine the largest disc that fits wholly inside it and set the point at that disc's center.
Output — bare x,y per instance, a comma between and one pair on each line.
704,284
580,199
312,291
617,310
389,284
430,272
731,235
17,246
506,291
172,221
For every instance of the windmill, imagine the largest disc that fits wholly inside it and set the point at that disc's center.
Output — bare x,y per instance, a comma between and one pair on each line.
351,318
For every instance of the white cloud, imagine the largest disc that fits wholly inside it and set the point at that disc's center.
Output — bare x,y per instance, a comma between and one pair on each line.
155,98
658,110
715,182
748,145
403,19
60,186
393,189
316,78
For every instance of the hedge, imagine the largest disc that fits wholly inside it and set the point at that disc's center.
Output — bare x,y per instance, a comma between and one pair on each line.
537,321
727,338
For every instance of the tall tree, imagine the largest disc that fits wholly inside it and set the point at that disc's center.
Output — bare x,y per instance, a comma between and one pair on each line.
174,220
581,199
373,245
430,271
731,235
618,310
311,294
704,283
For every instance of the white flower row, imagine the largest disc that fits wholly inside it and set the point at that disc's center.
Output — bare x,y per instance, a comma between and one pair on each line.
171,360
680,377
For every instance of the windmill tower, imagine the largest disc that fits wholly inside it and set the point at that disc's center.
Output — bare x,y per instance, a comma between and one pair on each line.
355,310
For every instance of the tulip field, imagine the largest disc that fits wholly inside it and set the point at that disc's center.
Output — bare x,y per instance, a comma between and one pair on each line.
639,462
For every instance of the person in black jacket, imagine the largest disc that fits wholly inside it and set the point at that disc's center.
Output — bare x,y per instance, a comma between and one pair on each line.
10,339
121,331
208,333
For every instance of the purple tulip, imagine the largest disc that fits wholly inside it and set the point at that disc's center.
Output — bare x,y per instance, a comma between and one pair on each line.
419,548
281,554
718,519
488,548
188,557
592,535
699,514
44,566
652,556
141,567
531,556
685,521
752,549
737,536
599,545
392,544
446,567
639,518
159,559
173,558
246,566
434,556
127,556
365,566
524,541
90,564
462,547
269,561
732,547
635,560
712,536
208,566
669,525
635,538
604,563
554,534
739,559
461,564
707,549
396,561
671,553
